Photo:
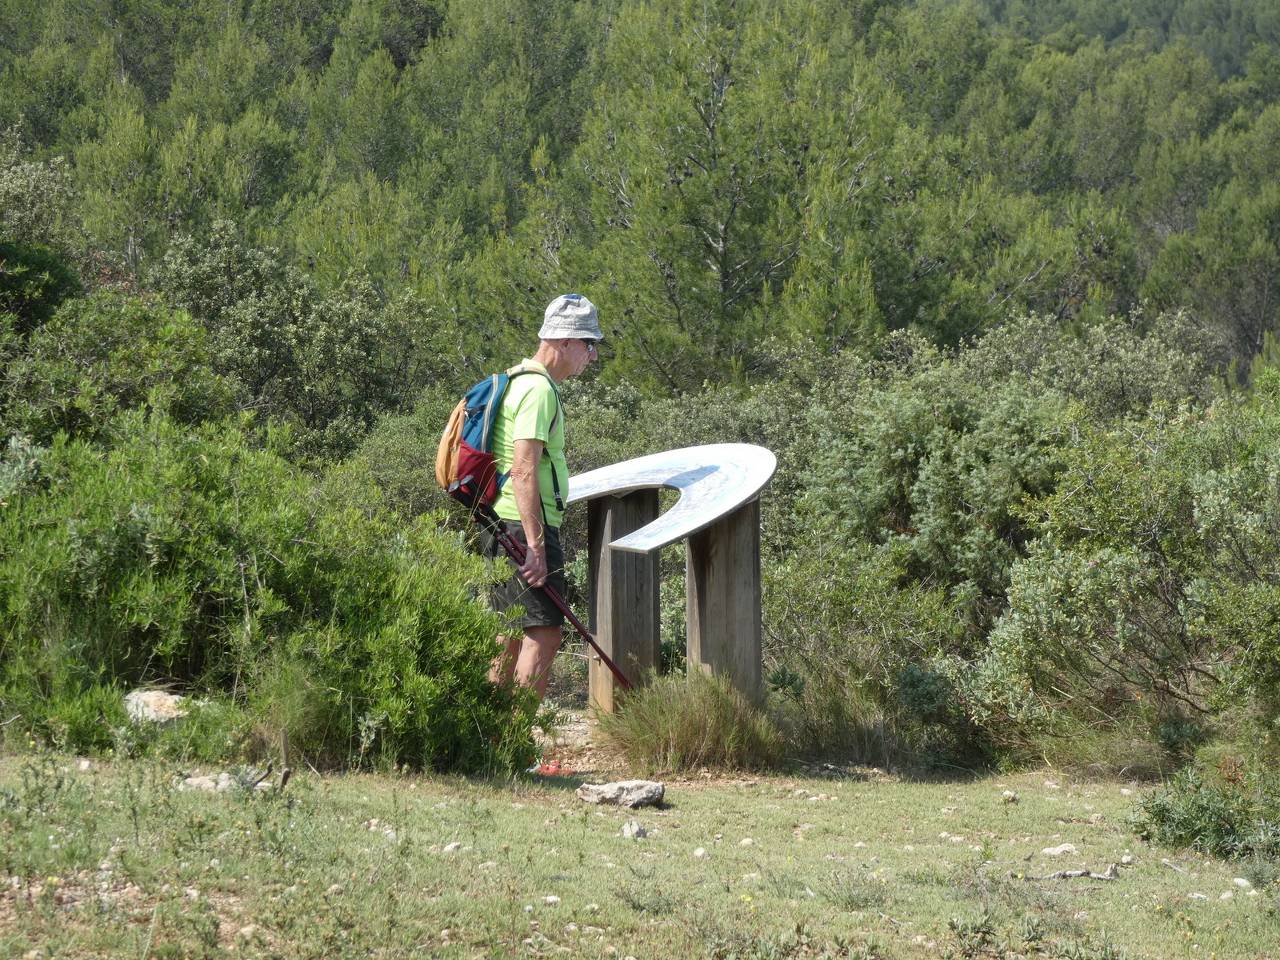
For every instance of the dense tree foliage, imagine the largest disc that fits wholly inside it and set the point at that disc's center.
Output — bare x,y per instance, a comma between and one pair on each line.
1227,33
999,281
711,172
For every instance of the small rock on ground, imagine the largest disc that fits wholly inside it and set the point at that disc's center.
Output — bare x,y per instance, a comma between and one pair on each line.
220,784
154,706
624,793
1059,850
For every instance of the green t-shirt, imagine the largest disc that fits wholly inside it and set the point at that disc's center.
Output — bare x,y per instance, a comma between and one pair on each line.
528,412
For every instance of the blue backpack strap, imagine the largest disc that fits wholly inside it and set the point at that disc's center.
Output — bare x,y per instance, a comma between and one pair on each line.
497,389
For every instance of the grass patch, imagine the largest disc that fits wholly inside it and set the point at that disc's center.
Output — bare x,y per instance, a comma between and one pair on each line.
848,891
113,862
676,724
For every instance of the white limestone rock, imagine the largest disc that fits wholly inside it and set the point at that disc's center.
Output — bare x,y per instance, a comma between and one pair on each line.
219,784
1059,850
624,793
153,706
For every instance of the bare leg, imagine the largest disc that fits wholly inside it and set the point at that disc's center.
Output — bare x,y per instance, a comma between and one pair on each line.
504,664
537,651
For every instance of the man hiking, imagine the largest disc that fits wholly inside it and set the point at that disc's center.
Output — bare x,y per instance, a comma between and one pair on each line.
528,445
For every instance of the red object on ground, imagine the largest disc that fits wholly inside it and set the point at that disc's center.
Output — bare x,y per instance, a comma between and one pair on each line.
552,768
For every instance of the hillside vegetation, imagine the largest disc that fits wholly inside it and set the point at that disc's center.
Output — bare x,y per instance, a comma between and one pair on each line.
998,282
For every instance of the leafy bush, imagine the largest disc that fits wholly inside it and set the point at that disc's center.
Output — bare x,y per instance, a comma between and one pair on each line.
399,455
105,353
1237,514
196,560
1112,368
330,364
87,719
33,281
928,463
1237,817
1151,593
37,200
214,729
677,724
19,467
850,639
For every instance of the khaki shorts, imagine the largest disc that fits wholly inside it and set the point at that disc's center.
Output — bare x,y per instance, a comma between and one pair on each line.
539,611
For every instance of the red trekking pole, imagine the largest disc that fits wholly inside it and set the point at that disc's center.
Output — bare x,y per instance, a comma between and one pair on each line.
515,550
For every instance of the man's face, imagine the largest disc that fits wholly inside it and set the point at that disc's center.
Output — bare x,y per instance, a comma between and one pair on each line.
580,353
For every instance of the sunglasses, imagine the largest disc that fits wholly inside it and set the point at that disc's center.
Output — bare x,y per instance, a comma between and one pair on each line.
593,346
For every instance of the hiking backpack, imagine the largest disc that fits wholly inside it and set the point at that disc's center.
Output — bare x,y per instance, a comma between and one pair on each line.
465,465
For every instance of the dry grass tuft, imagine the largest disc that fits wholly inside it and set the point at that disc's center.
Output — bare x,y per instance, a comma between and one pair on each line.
676,723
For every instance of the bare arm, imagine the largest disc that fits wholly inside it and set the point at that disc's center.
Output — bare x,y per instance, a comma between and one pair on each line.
524,478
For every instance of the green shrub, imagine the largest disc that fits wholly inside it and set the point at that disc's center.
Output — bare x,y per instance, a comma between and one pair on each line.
1233,818
1151,596
399,455
853,640
86,721
36,224
329,363
109,352
1113,368
215,729
677,724
37,199
196,560
932,465
19,468
33,281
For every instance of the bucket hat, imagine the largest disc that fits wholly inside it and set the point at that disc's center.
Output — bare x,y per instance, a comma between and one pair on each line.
570,316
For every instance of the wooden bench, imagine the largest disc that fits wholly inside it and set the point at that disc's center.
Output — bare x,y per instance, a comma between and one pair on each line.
718,517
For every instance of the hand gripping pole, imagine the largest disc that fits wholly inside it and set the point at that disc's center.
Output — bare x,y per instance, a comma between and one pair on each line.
515,550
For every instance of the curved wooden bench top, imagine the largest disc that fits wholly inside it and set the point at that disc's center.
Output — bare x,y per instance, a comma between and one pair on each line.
713,479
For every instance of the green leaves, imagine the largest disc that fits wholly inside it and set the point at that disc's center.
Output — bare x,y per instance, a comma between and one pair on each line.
327,363
191,557
105,353
33,281
1229,264
1150,592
